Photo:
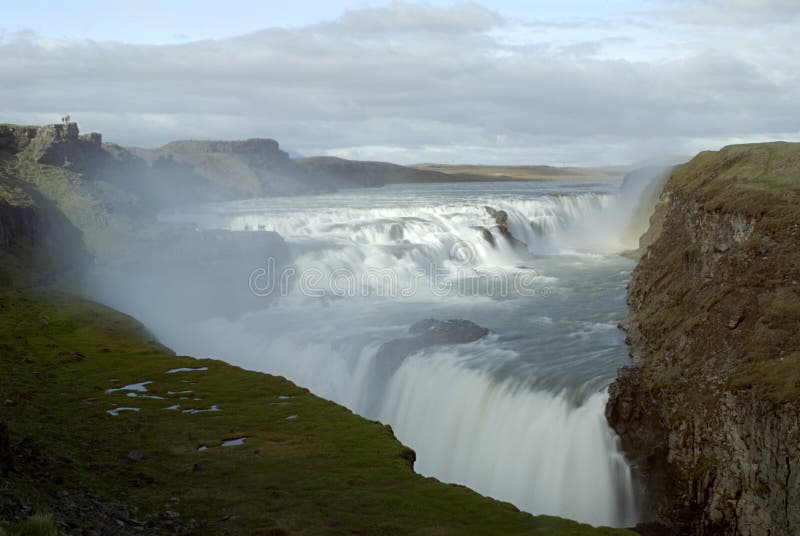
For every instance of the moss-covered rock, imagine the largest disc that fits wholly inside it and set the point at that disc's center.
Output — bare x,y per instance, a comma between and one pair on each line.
36,240
710,414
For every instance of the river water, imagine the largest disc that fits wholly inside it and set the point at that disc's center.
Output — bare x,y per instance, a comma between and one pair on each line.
516,415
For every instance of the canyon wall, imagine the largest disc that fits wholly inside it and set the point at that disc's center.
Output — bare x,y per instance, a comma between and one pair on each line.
709,414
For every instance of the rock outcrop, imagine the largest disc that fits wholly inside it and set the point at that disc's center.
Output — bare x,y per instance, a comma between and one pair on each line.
57,145
241,169
431,332
500,218
36,240
709,414
18,214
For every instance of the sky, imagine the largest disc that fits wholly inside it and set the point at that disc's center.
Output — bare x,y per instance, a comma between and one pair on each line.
573,82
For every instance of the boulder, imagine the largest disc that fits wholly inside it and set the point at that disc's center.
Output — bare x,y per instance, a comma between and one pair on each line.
501,224
423,334
427,333
487,235
396,232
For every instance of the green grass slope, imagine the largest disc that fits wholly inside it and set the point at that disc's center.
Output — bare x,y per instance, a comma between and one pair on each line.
307,466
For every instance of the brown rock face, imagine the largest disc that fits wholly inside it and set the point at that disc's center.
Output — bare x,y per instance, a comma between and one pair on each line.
14,138
18,218
709,415
56,145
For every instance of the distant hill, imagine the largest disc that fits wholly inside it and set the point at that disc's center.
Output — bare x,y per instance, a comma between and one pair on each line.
510,173
344,173
240,169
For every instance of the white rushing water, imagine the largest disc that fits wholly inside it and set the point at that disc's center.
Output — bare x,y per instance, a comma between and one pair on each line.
518,414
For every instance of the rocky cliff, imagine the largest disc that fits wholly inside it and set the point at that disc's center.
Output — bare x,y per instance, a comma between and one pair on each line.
140,182
63,172
58,145
239,169
709,413
36,240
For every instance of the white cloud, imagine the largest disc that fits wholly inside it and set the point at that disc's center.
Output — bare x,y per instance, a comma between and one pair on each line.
738,13
411,82
406,17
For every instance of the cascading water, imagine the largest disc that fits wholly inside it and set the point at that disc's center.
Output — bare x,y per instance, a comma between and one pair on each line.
518,414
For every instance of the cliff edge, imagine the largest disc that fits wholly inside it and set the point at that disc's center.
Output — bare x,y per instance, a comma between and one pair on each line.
709,414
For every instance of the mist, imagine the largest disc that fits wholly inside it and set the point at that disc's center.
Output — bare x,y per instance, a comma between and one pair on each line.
322,287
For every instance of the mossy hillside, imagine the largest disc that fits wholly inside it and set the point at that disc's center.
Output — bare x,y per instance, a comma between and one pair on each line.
36,240
36,525
307,466
758,179
715,330
697,293
94,207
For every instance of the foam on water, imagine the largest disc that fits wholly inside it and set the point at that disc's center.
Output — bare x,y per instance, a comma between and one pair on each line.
518,415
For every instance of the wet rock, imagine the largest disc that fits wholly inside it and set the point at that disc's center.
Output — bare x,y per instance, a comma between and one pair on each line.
430,332
423,334
396,232
501,224
486,234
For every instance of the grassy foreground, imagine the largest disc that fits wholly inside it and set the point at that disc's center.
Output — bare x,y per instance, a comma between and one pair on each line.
306,466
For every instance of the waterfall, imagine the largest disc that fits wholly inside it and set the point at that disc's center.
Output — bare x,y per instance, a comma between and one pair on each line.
517,415
547,452
533,448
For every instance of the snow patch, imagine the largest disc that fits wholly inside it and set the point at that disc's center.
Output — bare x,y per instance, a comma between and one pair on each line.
193,411
139,387
115,412
185,369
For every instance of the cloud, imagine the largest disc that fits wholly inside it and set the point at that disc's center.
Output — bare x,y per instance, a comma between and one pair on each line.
410,83
737,13
405,17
